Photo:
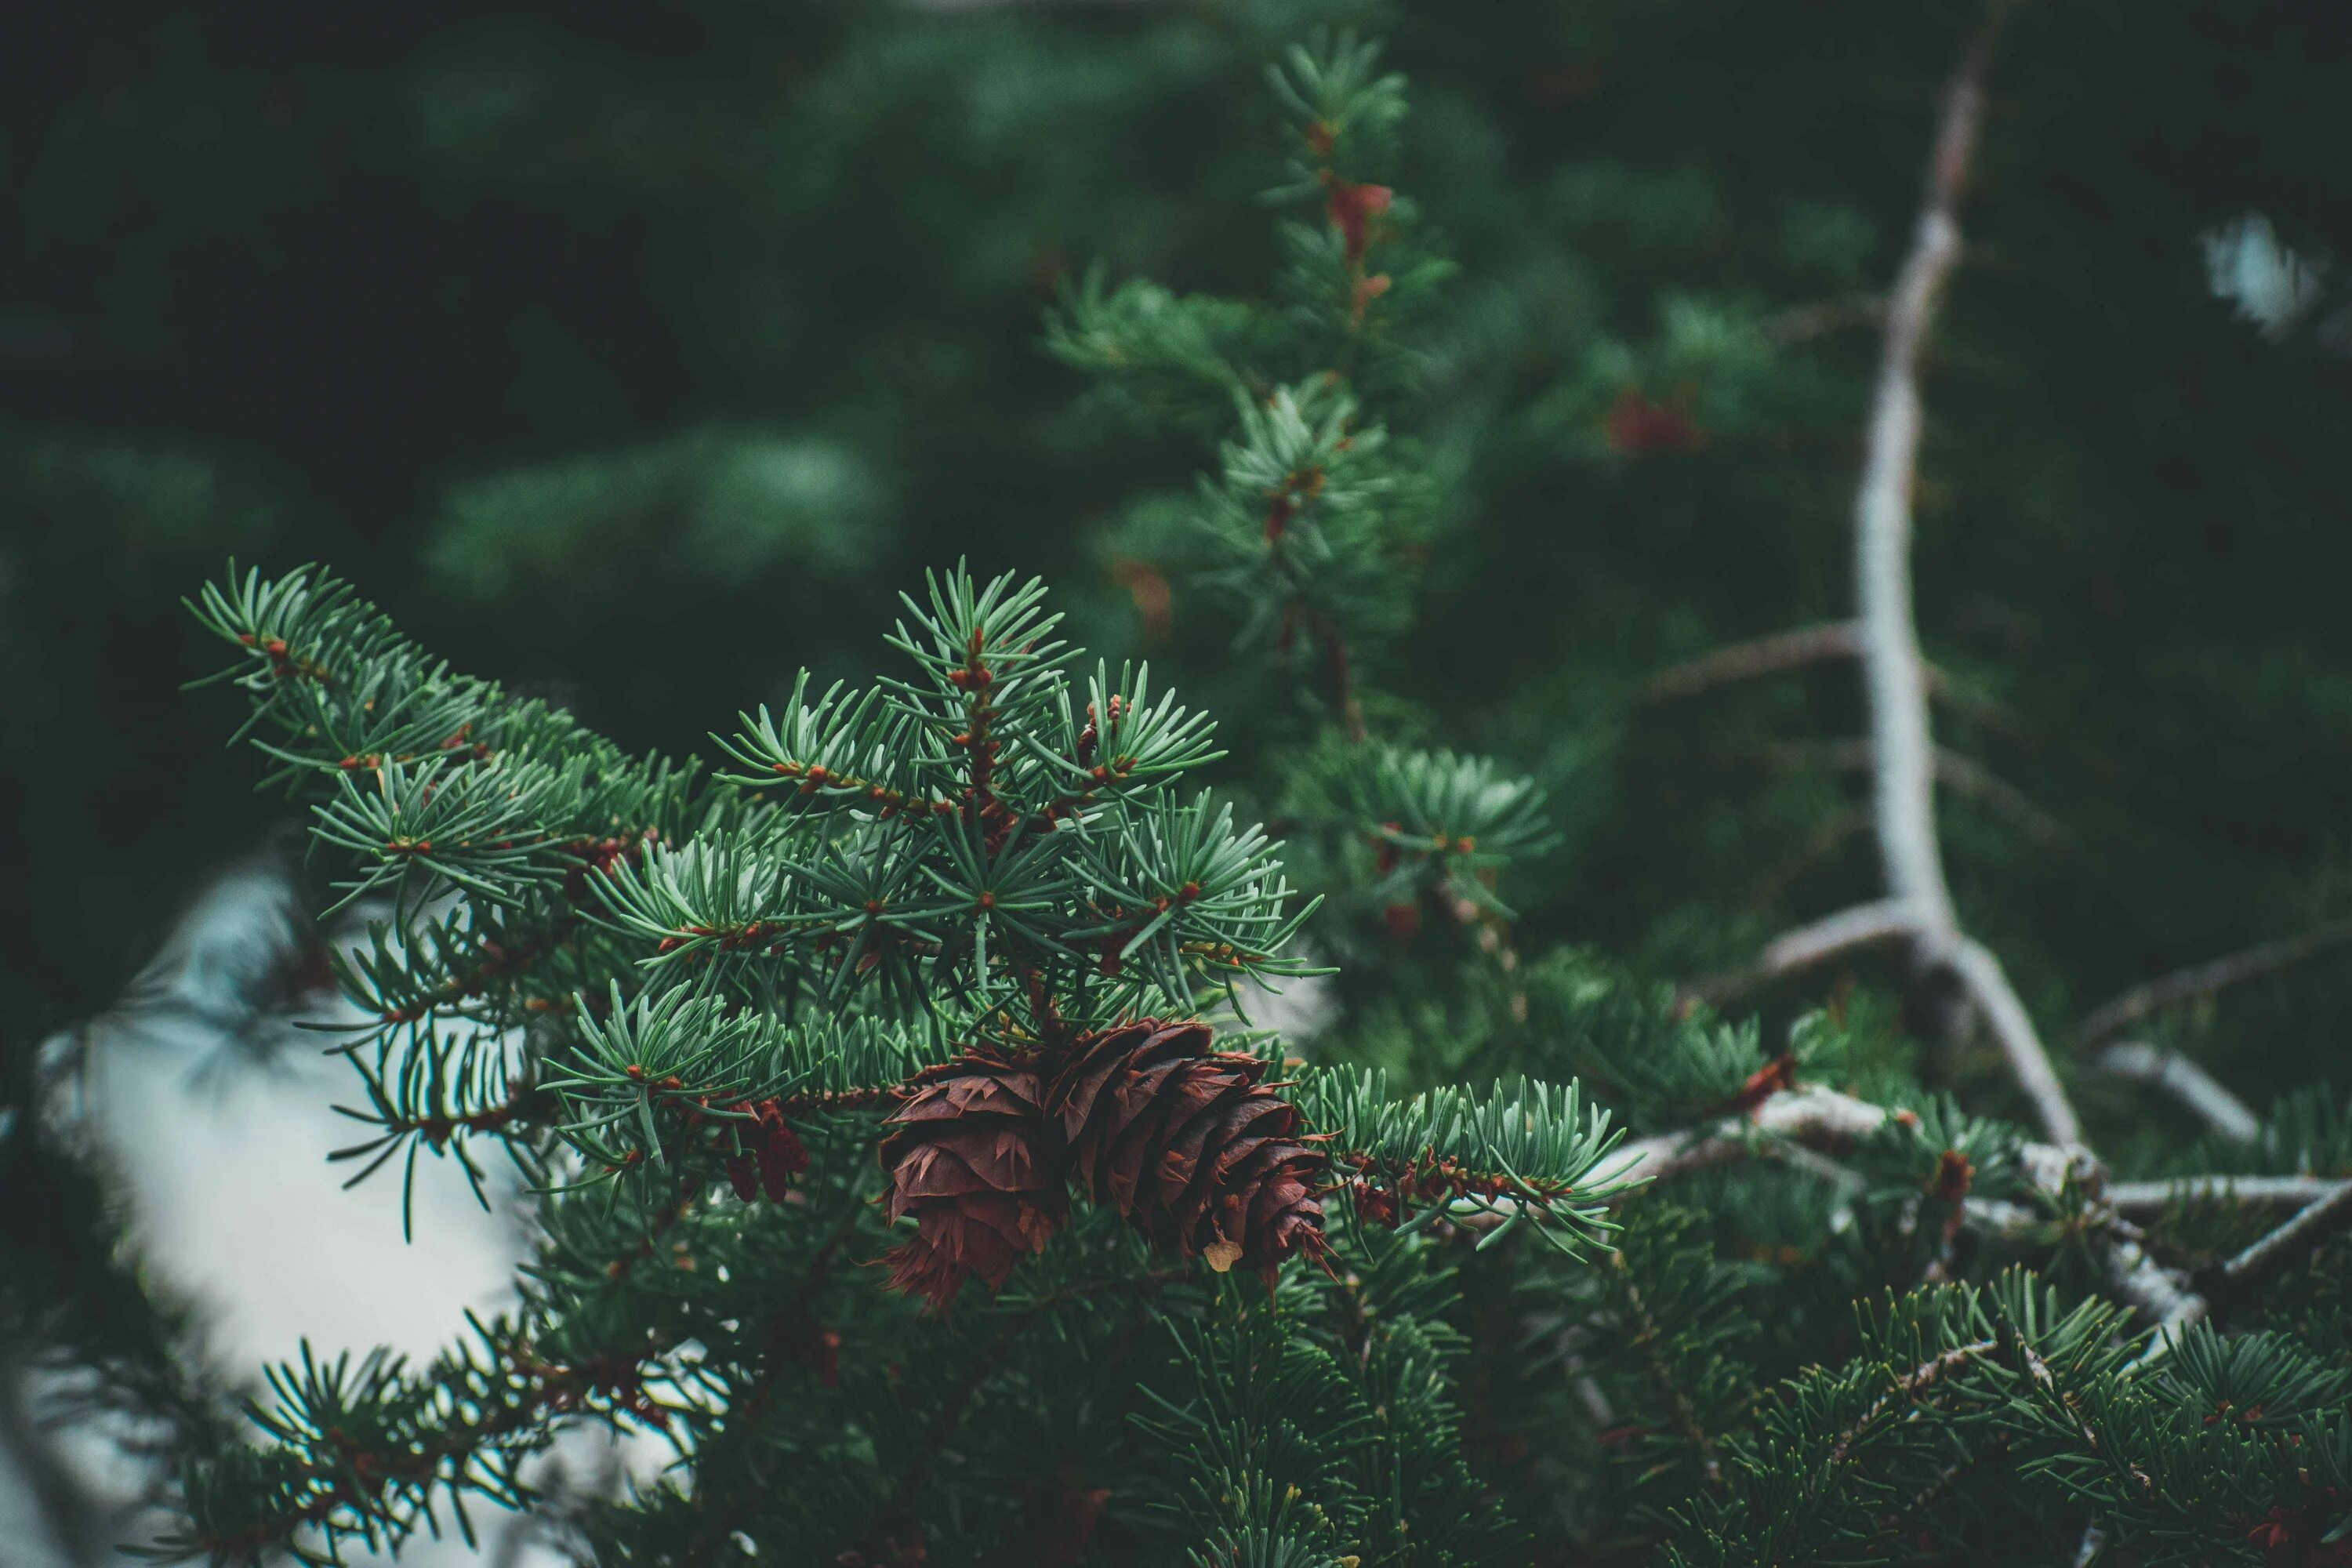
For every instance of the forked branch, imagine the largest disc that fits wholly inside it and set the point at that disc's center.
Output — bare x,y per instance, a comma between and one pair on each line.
1824,1119
1903,749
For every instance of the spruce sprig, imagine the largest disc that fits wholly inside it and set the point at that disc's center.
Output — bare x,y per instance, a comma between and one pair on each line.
679,1001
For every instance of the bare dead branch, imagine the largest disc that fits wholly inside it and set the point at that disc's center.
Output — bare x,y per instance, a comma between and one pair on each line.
1893,666
1807,1115
1805,646
2158,1293
2129,1007
1886,638
1823,1119
1762,655
2154,1198
1967,776
2199,1091
2295,1239
1894,671
2012,1030
1793,951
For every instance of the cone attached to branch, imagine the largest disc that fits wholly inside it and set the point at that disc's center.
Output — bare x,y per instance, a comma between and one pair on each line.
1190,1144
974,1159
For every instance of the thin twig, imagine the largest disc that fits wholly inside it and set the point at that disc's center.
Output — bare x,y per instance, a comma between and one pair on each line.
2312,1225
1807,645
1960,774
1807,946
2154,1198
2199,1091
1804,322
1917,1506
1762,655
2298,1236
2113,1017
2045,1379
1823,1118
1832,831
1907,1387
1340,670
2039,1371
1966,775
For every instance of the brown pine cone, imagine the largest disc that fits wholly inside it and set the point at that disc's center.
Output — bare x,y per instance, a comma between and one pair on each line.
975,1160
1188,1143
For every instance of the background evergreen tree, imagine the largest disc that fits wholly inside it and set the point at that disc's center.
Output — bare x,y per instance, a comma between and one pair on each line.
720,329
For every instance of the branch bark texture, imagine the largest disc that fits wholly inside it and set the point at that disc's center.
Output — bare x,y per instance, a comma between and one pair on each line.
1818,1117
2197,1090
1893,670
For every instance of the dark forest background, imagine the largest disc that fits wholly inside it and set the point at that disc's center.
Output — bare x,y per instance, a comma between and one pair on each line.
639,354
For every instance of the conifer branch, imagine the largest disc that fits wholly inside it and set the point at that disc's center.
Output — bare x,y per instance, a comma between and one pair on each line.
1648,1337
897,1511
1906,1388
927,971
1824,1118
745,1411
460,1429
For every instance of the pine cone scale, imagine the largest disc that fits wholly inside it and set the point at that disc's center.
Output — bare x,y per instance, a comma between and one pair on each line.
972,1156
1189,1143
1187,1106
1186,1141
